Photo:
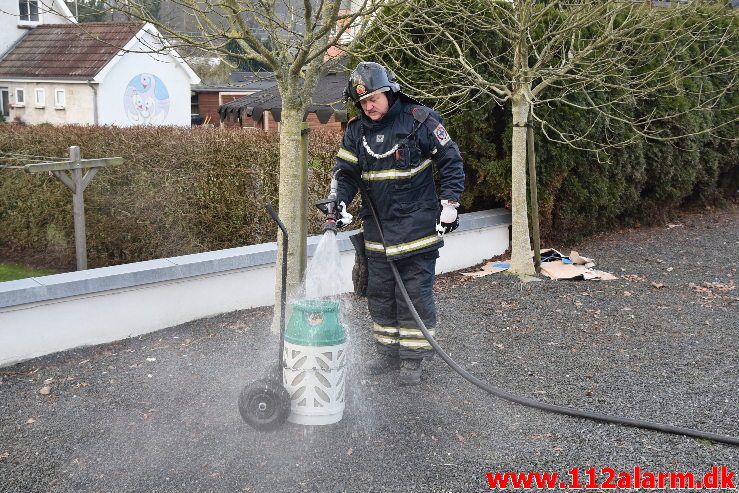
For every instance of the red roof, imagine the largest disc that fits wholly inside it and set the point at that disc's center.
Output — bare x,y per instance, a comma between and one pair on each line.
77,51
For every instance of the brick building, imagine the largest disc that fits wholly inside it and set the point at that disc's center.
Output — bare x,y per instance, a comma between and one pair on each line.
262,109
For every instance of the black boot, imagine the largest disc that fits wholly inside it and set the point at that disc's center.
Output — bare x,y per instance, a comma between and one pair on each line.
410,371
384,363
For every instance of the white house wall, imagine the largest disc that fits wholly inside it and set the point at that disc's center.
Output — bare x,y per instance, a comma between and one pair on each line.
125,98
9,31
78,106
12,28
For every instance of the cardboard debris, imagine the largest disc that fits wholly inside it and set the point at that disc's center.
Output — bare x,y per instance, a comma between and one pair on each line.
554,265
548,254
575,257
597,275
560,270
557,269
489,268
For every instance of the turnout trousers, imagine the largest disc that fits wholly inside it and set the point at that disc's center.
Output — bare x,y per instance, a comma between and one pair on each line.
394,328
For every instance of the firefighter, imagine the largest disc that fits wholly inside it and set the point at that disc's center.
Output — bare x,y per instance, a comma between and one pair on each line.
393,145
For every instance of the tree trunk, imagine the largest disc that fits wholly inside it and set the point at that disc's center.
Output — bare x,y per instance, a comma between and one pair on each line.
293,204
521,261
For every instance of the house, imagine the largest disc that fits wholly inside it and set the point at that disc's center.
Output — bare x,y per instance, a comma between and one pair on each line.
16,18
263,109
108,73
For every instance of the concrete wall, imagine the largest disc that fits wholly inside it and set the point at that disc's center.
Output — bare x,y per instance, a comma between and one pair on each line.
53,313
78,107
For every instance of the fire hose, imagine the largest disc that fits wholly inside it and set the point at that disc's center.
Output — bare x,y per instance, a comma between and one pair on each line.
503,394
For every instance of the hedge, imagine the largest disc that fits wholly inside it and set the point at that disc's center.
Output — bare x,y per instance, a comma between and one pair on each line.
179,191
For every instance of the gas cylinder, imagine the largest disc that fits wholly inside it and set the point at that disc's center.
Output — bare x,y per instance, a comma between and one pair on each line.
315,362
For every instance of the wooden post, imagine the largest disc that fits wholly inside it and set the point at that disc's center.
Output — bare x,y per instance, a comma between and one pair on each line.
534,198
76,181
78,206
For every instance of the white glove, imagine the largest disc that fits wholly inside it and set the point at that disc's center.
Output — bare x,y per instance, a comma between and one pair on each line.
448,220
344,219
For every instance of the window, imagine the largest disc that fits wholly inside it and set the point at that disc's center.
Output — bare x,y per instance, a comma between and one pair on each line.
20,97
194,103
60,98
40,98
5,99
29,10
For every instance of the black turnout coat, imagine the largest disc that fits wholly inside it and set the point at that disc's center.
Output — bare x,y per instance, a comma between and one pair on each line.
394,157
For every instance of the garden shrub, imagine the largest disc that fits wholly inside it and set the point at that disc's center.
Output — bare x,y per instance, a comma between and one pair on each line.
179,191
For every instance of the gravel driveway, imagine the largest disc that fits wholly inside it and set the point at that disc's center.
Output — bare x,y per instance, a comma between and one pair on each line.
158,412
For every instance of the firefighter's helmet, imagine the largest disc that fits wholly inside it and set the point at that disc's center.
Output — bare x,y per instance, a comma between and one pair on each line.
369,78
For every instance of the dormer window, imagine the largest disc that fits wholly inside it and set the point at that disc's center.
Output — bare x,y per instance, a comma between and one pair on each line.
29,10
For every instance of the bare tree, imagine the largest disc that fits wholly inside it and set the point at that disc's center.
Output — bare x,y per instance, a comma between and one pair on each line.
565,52
289,37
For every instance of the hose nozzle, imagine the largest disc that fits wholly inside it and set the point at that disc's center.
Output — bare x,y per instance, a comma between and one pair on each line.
330,225
329,206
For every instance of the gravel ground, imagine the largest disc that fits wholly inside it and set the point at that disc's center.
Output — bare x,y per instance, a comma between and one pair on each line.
158,412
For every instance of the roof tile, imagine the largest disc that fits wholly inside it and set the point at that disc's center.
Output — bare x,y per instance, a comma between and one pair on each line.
77,51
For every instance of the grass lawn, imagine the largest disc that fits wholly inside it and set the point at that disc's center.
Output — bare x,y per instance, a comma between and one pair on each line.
11,272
